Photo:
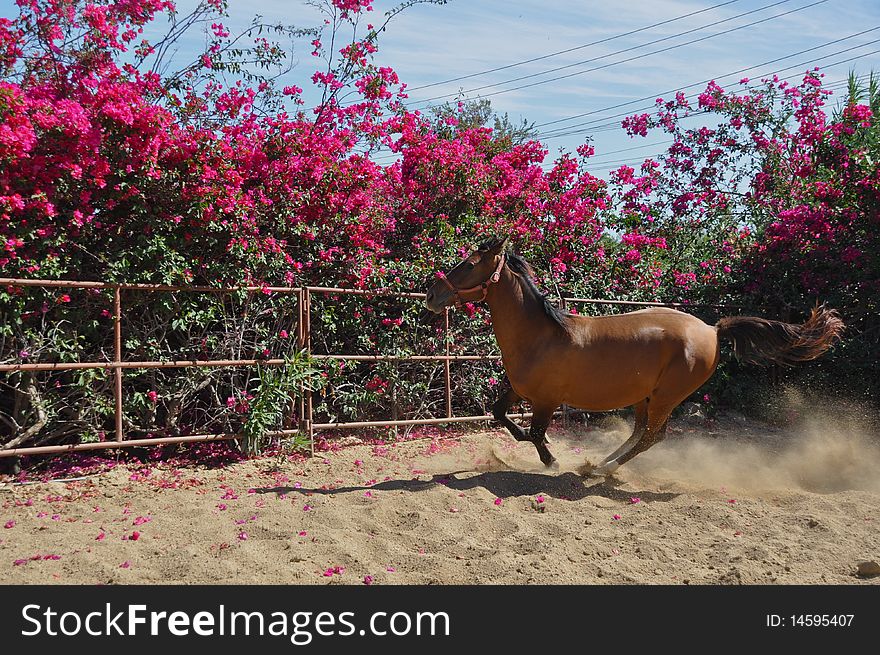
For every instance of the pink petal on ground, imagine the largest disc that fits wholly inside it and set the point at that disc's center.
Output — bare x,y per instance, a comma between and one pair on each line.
20,562
135,535
616,517
9,524
126,564
101,536
390,569
307,508
635,500
368,579
539,499
732,501
498,501
303,533
243,536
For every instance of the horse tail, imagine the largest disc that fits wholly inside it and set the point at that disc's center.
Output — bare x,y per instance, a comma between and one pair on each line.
761,341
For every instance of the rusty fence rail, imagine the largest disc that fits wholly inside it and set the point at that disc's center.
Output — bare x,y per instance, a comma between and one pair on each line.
304,342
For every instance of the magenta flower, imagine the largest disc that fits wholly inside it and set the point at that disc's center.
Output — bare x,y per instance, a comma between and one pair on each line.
307,508
498,501
616,517
9,524
126,564
242,536
368,579
635,500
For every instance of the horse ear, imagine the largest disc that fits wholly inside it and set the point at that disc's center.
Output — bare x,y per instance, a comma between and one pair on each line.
498,245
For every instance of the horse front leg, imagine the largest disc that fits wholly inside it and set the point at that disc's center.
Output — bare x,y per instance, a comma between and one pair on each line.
506,400
541,417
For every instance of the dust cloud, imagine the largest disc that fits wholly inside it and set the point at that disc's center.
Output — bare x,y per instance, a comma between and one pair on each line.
821,450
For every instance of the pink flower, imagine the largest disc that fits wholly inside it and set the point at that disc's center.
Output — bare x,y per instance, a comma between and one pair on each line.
242,536
498,501
616,517
635,500
539,499
153,396
307,508
9,524
368,579
732,501
390,569
140,520
101,536
126,564
302,533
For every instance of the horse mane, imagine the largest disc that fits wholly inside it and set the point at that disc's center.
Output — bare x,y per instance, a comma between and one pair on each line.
526,274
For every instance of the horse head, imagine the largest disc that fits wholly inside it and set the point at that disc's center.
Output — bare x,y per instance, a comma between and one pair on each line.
469,281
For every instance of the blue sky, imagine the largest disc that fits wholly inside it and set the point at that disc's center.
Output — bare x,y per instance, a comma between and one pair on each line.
428,44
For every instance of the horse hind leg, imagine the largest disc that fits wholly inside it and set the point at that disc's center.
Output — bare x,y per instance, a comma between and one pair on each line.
655,432
641,422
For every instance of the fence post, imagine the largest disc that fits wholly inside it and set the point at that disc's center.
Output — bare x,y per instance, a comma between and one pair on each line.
307,336
448,376
117,353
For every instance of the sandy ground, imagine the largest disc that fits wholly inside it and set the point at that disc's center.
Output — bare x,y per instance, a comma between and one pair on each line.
729,502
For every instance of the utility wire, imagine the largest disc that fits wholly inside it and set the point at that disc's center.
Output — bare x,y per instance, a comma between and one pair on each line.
611,54
580,47
633,58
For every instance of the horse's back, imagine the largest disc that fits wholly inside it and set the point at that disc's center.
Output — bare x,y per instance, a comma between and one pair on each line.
619,359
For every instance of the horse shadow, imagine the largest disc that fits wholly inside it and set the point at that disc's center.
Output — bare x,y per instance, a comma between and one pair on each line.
502,484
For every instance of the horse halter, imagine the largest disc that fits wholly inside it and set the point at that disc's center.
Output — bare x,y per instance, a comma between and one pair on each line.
484,287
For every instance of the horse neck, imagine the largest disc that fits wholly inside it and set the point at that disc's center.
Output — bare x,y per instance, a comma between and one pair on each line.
518,316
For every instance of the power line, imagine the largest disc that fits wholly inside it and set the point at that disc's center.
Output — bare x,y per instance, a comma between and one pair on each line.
612,54
585,127
580,47
636,57
615,163
717,77
615,125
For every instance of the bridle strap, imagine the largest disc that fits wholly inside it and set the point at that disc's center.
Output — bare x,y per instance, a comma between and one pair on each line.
484,287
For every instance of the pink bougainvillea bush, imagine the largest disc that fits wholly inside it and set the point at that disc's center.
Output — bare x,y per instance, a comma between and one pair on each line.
112,168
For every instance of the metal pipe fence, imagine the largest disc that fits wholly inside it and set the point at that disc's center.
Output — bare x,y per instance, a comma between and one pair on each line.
304,342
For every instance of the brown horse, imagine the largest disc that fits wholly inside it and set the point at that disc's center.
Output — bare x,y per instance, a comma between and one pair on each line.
651,359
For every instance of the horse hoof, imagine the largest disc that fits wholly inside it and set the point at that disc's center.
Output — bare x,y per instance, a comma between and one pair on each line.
605,469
